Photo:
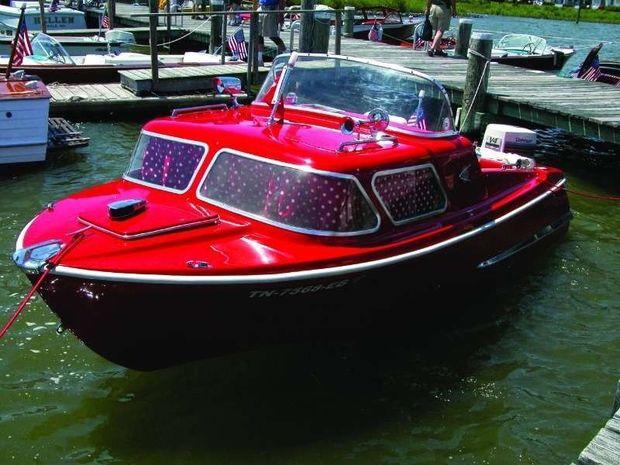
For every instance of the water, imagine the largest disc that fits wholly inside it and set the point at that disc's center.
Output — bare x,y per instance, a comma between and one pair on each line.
523,373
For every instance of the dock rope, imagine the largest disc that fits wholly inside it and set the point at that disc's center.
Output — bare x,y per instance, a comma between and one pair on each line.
163,44
77,236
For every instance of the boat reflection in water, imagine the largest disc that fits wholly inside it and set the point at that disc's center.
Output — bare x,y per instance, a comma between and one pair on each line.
342,186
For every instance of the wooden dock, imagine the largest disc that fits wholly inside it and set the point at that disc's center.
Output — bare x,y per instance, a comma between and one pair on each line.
182,79
582,108
104,100
604,449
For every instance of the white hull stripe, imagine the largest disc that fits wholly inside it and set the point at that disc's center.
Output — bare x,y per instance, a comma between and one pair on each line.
292,275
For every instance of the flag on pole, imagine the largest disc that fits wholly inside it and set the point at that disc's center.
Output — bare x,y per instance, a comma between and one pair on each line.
418,119
593,72
21,45
236,44
105,19
376,33
55,6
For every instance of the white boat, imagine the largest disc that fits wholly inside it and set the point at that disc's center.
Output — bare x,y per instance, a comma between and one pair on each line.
63,18
114,42
24,109
528,51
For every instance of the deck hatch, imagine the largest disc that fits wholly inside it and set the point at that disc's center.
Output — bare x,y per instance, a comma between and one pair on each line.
411,193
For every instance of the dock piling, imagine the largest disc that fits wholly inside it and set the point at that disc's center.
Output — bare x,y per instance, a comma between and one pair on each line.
349,19
224,41
476,80
307,26
215,39
338,38
153,7
111,13
463,36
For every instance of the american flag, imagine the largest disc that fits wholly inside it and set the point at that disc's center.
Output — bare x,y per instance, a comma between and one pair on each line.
236,44
23,47
593,72
419,117
55,6
419,43
375,33
105,19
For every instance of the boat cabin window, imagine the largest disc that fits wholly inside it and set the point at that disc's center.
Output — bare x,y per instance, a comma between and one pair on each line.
165,162
288,196
414,102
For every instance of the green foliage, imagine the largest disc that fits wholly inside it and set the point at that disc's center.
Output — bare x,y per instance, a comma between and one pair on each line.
504,8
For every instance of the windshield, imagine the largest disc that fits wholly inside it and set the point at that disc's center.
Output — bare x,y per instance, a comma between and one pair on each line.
354,88
48,47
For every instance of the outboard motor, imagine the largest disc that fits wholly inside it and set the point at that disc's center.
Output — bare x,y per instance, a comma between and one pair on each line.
511,145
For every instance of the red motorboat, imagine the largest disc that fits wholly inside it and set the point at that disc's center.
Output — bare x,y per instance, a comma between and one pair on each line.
341,187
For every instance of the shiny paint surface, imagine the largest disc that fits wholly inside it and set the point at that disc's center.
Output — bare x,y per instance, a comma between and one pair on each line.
250,271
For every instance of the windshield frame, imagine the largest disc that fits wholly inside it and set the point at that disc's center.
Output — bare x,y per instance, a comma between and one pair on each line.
205,146
294,57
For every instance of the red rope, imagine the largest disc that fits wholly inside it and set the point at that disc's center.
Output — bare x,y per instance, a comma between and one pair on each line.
589,195
51,264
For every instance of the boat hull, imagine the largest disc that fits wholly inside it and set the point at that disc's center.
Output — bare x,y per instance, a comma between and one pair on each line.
393,34
548,62
150,325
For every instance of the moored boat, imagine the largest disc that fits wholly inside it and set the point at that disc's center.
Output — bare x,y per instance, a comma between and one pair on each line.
52,63
342,186
396,28
24,108
62,18
528,51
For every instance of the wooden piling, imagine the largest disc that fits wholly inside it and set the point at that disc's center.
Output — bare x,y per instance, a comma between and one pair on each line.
463,36
153,8
111,12
224,41
476,80
338,38
349,20
215,38
307,26
42,16
253,59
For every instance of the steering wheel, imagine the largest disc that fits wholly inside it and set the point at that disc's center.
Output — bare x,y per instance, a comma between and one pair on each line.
529,47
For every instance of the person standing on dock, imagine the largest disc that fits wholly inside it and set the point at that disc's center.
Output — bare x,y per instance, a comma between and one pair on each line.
270,26
439,12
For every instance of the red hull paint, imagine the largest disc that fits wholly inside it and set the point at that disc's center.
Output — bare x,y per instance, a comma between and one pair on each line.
151,326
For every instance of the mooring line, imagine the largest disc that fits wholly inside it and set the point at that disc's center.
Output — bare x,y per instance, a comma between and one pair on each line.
48,267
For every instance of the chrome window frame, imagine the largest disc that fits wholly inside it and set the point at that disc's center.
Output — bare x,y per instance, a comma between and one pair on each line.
402,170
307,169
205,146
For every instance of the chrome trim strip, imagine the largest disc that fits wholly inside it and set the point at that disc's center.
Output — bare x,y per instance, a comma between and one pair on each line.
305,168
126,177
19,243
402,170
541,234
297,275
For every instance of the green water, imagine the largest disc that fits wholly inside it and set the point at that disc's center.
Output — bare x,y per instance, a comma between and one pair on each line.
525,374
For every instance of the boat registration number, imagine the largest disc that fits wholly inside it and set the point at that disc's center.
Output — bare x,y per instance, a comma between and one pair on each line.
311,289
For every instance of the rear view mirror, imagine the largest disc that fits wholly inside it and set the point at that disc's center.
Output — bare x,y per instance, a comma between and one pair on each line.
227,85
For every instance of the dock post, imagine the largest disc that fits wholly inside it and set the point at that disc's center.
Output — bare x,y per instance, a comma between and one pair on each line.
253,52
338,38
153,43
216,26
224,41
307,26
111,13
463,35
42,17
616,404
476,80
349,20
168,26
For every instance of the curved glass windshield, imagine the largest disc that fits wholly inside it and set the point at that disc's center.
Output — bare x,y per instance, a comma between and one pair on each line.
342,85
49,48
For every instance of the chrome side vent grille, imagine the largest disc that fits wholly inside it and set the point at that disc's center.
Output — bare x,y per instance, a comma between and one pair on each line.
409,194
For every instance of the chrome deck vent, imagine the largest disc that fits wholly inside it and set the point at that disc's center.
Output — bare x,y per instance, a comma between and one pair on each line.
409,194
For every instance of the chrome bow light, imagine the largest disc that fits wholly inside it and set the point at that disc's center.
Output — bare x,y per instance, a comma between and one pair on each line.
35,257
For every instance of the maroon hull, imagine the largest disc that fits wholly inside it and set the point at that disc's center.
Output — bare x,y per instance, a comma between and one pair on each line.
132,324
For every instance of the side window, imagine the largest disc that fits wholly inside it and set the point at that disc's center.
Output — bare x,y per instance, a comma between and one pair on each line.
305,201
165,162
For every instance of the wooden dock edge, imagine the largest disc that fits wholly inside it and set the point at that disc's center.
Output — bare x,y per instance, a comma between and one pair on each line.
604,449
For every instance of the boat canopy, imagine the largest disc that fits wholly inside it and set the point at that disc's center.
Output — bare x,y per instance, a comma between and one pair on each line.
352,87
